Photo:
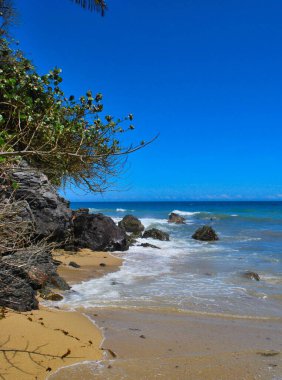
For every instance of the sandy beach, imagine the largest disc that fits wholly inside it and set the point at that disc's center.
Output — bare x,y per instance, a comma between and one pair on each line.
175,345
92,264
184,346
34,344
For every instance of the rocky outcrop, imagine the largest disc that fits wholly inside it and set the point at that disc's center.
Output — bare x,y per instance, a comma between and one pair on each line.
39,267
205,233
23,273
175,218
16,291
98,232
34,216
17,225
131,224
154,233
251,275
51,213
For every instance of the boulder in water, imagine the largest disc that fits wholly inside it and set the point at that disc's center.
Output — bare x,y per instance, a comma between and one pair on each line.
99,233
251,275
176,218
131,224
205,233
154,233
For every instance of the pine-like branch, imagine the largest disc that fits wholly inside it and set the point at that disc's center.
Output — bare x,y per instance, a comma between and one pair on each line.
93,5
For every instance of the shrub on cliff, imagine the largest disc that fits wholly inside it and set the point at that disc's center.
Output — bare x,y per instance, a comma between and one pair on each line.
66,138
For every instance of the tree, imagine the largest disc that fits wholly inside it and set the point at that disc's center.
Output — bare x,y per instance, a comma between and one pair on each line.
66,138
7,15
96,5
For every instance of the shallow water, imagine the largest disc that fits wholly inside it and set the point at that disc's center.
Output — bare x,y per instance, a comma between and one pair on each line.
189,275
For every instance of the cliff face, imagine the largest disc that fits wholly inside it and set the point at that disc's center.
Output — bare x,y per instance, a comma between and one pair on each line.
51,213
33,220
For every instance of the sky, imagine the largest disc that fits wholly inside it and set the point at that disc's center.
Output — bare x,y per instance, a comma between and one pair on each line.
205,74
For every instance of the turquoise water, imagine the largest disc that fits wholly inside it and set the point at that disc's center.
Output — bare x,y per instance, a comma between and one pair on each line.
189,275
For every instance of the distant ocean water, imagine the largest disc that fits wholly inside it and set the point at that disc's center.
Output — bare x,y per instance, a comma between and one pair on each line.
189,275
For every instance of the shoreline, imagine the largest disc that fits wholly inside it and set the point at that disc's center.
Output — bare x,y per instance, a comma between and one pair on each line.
173,343
149,344
38,343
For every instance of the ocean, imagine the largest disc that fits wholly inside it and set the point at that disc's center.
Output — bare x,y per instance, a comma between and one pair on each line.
185,311
190,275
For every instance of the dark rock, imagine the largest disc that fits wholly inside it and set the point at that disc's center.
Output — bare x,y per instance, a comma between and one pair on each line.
58,282
251,275
131,224
39,267
99,233
18,214
154,233
15,289
205,233
102,264
57,262
80,211
53,297
175,218
132,238
148,245
70,248
51,213
74,264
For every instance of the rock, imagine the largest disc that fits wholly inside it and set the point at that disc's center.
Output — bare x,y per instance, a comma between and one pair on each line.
131,224
53,297
148,245
74,264
175,218
80,211
15,289
38,266
58,282
132,238
154,233
51,213
17,224
99,233
251,275
205,233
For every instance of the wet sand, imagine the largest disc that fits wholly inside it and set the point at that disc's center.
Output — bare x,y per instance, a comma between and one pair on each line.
170,345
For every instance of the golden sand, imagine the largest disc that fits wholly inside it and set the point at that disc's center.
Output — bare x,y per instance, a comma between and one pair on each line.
90,264
34,344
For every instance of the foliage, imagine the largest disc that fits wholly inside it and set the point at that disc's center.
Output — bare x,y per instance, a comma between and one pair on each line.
93,5
7,15
66,138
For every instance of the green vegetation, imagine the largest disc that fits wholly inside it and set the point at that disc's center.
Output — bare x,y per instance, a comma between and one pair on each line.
96,5
68,139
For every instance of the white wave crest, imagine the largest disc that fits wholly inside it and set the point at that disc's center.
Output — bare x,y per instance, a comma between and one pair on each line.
187,213
147,222
94,210
123,210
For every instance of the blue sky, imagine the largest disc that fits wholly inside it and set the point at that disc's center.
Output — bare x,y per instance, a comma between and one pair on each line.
205,74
